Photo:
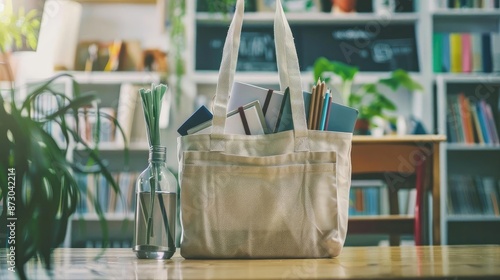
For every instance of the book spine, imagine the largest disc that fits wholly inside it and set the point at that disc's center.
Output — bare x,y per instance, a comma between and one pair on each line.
487,58
492,125
482,121
446,52
466,53
495,51
437,50
456,52
477,124
476,49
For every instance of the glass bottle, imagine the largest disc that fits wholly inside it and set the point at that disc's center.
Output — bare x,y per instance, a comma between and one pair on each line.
155,212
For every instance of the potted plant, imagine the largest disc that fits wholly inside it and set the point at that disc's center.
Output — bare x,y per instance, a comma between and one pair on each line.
369,98
16,30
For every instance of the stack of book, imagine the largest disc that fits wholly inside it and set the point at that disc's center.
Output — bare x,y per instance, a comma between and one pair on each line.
95,187
253,110
470,121
473,195
466,52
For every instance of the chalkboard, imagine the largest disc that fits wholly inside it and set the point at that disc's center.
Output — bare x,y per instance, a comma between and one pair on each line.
257,50
371,47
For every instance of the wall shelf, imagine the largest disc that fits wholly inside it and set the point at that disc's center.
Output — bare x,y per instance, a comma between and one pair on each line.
312,18
473,218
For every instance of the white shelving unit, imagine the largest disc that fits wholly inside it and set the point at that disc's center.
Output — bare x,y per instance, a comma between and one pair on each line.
108,85
426,20
462,158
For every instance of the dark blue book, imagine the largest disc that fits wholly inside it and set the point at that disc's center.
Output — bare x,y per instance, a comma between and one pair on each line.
200,116
486,51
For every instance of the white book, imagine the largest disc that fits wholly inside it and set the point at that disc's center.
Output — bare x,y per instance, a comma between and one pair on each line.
439,4
242,94
384,6
412,201
495,51
234,122
125,112
488,4
477,52
403,195
107,125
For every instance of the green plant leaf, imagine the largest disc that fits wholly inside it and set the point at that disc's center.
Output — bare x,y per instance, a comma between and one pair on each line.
344,71
401,78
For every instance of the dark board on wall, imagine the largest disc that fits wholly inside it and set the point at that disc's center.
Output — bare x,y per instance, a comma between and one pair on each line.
257,51
371,48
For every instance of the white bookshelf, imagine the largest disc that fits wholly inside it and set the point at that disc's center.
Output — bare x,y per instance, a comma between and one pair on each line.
427,20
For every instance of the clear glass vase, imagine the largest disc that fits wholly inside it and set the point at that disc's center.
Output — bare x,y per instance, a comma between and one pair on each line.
155,212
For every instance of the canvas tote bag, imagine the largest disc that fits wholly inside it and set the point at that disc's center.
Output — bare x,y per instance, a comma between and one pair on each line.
282,195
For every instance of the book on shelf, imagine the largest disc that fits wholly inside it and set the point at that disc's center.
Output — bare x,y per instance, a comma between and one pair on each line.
95,188
437,52
465,4
471,122
466,52
125,112
368,197
473,195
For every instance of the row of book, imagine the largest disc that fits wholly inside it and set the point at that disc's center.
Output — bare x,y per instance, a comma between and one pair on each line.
466,4
470,121
95,187
364,201
466,52
473,195
371,197
89,130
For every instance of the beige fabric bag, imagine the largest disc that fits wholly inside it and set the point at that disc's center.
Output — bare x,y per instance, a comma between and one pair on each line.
282,195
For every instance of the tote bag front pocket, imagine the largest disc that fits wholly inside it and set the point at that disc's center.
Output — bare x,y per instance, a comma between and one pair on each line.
258,210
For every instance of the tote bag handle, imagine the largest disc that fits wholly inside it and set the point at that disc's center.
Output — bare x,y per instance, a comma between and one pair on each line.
288,69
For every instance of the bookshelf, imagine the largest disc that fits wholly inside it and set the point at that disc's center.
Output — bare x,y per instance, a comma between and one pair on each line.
470,182
470,188
114,88
427,18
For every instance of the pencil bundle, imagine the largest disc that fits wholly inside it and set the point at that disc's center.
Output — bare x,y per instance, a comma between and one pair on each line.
319,108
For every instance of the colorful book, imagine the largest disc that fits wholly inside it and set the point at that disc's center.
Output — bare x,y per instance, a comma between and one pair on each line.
460,124
491,124
487,58
482,121
477,124
476,50
446,53
437,50
463,118
456,52
466,53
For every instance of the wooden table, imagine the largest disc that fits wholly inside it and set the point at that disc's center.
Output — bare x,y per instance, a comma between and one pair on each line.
378,154
405,262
